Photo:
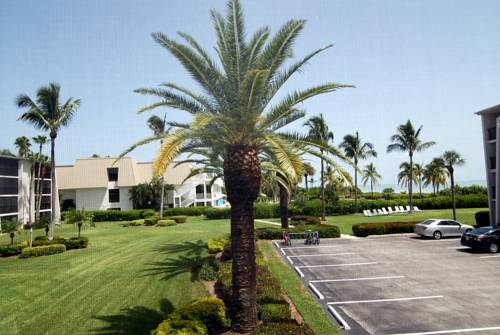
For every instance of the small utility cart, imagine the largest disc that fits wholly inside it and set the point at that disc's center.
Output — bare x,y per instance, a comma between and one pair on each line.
310,237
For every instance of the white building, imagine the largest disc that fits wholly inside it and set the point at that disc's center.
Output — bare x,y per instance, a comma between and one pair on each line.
490,118
95,183
15,178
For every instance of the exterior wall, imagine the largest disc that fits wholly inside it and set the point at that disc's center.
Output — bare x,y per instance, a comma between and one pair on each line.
98,199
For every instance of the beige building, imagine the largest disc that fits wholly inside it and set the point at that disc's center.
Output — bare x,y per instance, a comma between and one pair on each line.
97,183
490,118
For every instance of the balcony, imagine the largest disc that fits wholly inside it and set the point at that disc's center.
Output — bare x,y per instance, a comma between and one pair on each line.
491,134
493,163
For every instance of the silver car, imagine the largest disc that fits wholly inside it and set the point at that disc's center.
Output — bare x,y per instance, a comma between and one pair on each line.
438,228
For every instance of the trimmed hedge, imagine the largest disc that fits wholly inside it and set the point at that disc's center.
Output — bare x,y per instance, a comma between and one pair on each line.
166,223
12,249
189,211
325,231
179,218
76,243
43,250
215,245
365,229
482,219
151,221
284,328
305,219
112,215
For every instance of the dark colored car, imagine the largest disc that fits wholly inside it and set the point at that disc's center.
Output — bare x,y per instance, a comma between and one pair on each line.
484,238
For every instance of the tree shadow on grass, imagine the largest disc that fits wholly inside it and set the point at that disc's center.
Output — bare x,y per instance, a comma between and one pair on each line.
137,320
190,262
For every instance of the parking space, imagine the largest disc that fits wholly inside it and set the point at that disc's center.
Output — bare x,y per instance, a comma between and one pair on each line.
401,284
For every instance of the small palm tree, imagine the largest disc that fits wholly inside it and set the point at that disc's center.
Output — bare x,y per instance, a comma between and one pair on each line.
80,218
406,175
370,174
320,133
308,171
41,140
451,160
50,114
23,146
234,114
356,150
407,139
11,227
418,170
435,174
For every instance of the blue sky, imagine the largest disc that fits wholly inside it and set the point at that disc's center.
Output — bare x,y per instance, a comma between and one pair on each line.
434,62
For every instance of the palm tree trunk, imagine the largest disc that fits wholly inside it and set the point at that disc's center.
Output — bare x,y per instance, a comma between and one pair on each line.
53,199
452,179
371,187
420,188
410,185
283,206
79,230
307,187
323,214
242,176
162,196
355,187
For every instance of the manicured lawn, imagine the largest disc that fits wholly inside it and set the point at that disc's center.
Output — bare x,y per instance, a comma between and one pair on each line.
312,312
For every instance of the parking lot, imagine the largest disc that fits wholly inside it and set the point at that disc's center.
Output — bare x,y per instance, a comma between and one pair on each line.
401,284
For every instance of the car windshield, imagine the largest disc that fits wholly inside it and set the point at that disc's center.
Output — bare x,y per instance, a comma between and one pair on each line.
427,222
482,230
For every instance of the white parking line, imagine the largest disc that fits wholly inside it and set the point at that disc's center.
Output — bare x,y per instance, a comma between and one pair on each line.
490,256
315,290
354,279
339,318
319,246
334,265
458,248
317,255
348,302
452,331
301,274
289,259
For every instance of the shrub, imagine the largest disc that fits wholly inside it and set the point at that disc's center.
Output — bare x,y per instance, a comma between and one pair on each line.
76,243
166,223
305,219
179,218
43,240
136,223
482,219
284,328
210,311
151,221
313,207
180,327
113,215
12,249
189,211
43,250
275,312
325,231
208,272
215,245
365,229
217,213
266,210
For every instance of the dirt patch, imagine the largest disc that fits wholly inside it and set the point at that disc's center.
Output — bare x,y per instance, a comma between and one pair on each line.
210,286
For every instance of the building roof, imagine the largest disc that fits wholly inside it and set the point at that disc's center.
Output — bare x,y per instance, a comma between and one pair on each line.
490,110
93,173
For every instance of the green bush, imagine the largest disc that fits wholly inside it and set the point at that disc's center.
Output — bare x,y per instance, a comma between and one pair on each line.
151,221
43,250
284,328
217,213
43,240
325,231
365,229
179,218
275,312
180,327
305,219
136,223
12,249
76,243
312,207
482,219
189,211
113,215
166,223
208,272
215,245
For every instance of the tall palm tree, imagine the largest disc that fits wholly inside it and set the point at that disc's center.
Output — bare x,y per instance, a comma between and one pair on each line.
418,170
41,140
158,126
407,139
234,115
308,171
50,114
320,133
356,150
406,175
435,174
23,146
451,160
371,174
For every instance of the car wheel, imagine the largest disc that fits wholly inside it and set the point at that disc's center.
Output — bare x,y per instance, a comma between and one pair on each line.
437,235
493,248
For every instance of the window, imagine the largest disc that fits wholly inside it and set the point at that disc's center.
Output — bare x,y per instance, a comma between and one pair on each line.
453,223
9,186
114,209
443,223
45,187
112,174
8,205
9,167
45,202
199,189
114,195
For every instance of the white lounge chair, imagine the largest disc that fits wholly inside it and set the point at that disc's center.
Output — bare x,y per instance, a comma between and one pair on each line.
366,213
379,211
385,211
402,209
415,208
374,212
407,208
389,210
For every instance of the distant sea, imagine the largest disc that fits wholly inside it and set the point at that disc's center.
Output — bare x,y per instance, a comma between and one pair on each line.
398,188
